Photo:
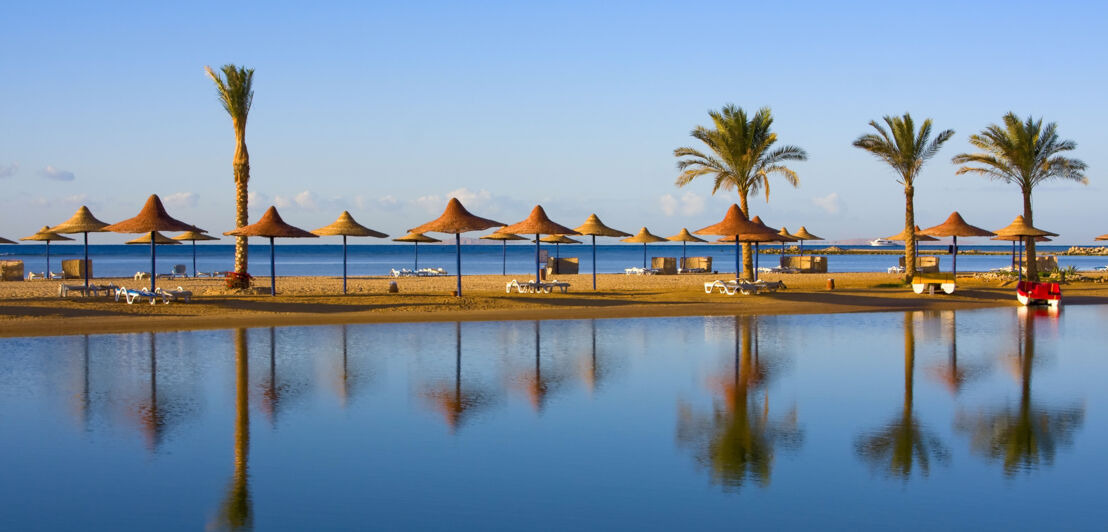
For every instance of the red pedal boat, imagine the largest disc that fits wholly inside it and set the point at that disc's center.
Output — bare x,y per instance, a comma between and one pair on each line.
1032,293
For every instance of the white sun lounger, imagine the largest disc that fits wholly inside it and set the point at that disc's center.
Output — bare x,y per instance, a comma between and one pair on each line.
180,294
531,287
134,295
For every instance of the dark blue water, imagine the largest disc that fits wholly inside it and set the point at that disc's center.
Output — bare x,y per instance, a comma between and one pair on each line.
124,261
969,420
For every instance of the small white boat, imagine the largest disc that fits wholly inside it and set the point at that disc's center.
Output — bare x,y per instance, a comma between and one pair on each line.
881,242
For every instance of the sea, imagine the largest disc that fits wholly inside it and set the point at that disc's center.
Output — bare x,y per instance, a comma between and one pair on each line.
380,259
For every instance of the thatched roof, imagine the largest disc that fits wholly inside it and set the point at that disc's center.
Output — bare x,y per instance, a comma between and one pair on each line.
735,223
499,235
644,237
1102,237
1019,227
785,233
685,236
956,226
193,236
346,226
456,219
558,239
152,217
159,239
6,241
777,236
271,225
416,237
81,222
537,223
44,235
593,226
920,237
1015,238
803,234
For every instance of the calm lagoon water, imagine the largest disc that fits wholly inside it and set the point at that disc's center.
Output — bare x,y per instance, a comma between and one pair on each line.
962,420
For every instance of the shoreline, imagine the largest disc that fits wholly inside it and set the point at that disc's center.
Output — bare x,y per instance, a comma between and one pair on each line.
31,310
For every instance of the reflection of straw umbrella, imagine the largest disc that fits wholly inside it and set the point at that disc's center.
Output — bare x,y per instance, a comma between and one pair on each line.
558,240
271,226
594,228
457,220
346,226
1013,240
684,237
457,402
537,223
193,236
644,236
738,227
81,222
416,238
46,235
503,238
1021,229
955,226
803,235
151,218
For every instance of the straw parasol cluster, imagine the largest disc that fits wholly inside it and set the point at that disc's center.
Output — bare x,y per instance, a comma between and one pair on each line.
271,226
346,226
644,237
740,229
194,237
594,227
538,223
416,238
151,219
955,226
684,237
45,235
558,240
456,219
503,238
82,222
1020,229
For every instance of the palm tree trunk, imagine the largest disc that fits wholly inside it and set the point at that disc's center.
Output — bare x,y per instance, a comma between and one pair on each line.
748,259
241,166
909,232
1032,267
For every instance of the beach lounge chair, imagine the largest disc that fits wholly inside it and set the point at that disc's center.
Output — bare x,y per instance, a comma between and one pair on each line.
550,286
180,294
639,271
768,286
134,295
402,272
526,287
141,275
731,287
930,281
431,272
179,270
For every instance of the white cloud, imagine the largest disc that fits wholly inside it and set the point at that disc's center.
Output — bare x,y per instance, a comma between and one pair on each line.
57,174
256,201
689,204
8,170
306,200
829,203
432,203
181,199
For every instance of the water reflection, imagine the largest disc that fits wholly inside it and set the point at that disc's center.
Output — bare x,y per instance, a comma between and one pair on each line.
1026,435
456,401
237,510
736,441
904,442
952,374
538,386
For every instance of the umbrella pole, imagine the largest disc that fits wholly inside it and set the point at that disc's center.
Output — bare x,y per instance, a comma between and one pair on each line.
458,259
85,265
48,261
557,250
537,258
684,252
954,260
756,256
416,266
594,262
344,264
1019,263
153,254
644,255
194,272
738,262
272,268
504,258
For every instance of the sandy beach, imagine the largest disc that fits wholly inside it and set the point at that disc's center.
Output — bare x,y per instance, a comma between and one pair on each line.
33,308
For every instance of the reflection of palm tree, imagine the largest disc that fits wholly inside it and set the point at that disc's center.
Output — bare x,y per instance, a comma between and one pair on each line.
737,440
454,402
1025,436
237,511
904,442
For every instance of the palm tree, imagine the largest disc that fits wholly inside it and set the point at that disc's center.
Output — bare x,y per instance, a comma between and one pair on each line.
742,158
905,149
236,93
1024,153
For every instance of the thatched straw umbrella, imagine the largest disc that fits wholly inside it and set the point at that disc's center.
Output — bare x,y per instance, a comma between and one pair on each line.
537,223
1021,229
150,219
44,235
271,226
684,237
786,237
769,234
644,236
416,238
740,229
920,237
777,237
456,219
955,226
503,238
1101,237
84,222
558,240
1013,240
159,239
6,241
803,235
594,228
346,226
194,236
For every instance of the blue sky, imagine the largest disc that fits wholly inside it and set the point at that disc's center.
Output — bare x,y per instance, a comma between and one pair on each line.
387,110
